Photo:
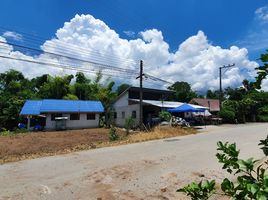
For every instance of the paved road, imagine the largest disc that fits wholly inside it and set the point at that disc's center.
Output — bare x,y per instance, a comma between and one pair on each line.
149,170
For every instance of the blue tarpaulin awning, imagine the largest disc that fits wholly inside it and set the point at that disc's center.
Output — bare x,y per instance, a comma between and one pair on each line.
186,108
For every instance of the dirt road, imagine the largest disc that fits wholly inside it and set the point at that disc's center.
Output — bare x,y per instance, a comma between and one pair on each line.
149,170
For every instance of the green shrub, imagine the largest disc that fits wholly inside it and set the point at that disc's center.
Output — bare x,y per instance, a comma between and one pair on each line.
264,144
21,130
201,190
262,118
165,115
5,132
113,136
251,180
227,115
129,123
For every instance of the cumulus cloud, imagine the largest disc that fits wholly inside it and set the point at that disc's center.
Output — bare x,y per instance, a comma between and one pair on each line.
262,13
13,35
196,60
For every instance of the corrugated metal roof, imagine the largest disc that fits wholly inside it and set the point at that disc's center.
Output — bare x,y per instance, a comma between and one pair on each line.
212,104
31,107
36,107
165,104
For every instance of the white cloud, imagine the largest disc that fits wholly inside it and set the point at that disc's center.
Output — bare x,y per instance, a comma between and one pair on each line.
130,34
262,13
196,60
13,35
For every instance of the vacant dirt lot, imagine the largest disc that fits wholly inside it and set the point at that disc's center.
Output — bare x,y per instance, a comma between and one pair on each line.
38,144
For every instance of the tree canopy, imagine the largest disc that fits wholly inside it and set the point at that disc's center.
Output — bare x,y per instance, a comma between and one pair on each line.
15,89
183,91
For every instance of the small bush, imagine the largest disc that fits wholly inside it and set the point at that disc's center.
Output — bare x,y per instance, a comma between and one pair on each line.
262,118
129,123
165,115
251,179
264,144
113,136
227,115
201,190
6,133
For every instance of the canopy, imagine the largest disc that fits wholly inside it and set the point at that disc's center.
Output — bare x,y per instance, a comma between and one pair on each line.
206,113
186,108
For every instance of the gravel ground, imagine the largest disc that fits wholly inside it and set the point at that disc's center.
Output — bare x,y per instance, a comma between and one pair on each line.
148,170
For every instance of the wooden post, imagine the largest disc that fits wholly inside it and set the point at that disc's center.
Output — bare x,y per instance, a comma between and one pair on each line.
28,122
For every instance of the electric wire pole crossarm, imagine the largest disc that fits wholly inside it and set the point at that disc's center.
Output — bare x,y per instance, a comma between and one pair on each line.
220,68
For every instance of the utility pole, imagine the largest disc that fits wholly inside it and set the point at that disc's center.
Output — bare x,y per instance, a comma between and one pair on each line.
221,95
141,94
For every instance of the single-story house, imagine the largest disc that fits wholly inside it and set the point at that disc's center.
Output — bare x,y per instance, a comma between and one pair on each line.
62,114
154,101
213,105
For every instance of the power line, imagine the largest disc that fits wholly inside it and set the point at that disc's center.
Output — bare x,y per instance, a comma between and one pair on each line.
68,57
67,46
63,66
99,65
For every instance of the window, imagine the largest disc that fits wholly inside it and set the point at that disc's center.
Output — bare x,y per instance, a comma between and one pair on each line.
123,115
115,115
75,116
91,116
134,114
53,116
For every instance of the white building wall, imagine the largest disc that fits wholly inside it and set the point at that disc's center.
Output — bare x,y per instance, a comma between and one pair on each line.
120,120
121,105
122,101
72,124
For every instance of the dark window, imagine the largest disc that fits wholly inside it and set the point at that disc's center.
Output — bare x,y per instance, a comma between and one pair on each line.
91,116
75,116
53,116
134,114
123,115
115,115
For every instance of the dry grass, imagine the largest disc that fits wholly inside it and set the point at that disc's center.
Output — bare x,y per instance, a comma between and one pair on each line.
160,133
34,145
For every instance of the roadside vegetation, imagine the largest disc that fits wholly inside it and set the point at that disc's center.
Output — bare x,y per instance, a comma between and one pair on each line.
14,147
251,176
247,103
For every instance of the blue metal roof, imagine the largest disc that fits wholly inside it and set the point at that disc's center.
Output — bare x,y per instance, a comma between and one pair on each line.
31,107
36,107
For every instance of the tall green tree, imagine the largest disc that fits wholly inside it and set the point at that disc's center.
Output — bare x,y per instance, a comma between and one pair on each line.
14,90
56,87
82,87
183,91
213,94
262,71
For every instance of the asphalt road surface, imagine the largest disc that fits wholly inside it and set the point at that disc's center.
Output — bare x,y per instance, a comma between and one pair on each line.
148,170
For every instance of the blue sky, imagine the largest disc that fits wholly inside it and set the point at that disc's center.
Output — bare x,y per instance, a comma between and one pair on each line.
177,35
225,22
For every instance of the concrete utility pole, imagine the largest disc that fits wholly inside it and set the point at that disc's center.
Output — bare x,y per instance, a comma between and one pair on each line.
221,95
141,95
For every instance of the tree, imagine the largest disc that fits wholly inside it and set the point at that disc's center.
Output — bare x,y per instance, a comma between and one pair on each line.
121,88
213,94
70,97
82,87
56,87
262,71
183,91
14,90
